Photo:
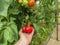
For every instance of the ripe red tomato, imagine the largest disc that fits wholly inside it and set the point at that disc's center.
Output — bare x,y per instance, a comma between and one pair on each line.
31,3
23,28
27,29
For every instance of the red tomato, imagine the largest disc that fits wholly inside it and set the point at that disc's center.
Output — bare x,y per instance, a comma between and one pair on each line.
23,28
31,3
27,29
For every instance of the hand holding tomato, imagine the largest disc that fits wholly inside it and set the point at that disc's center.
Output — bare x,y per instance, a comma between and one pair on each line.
25,38
28,28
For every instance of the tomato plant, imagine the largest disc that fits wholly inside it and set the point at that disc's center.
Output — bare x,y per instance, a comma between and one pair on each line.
14,14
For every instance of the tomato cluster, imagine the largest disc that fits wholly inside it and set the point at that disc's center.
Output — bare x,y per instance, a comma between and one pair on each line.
30,3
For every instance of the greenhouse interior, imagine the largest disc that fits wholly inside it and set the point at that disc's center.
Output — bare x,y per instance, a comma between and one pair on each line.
29,22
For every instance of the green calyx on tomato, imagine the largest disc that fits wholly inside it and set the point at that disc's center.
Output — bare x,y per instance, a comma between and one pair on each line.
29,23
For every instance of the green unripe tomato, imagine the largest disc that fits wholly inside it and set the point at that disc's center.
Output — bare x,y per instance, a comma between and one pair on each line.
25,2
19,1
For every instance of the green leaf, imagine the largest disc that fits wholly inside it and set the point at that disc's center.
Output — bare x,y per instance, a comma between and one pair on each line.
8,34
15,30
11,33
1,37
2,25
4,5
2,41
14,11
36,26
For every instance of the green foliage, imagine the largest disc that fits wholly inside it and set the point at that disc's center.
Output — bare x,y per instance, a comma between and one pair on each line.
4,5
14,15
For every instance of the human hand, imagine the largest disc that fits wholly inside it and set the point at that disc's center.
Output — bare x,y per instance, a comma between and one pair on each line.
25,38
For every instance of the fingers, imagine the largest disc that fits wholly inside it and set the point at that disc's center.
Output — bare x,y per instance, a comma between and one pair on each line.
31,34
33,31
20,32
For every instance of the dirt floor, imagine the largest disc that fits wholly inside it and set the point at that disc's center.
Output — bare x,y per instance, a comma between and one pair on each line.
53,40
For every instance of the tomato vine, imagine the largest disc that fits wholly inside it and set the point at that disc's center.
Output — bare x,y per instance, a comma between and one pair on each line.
14,15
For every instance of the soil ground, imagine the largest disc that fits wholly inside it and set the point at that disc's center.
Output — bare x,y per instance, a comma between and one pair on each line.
53,40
